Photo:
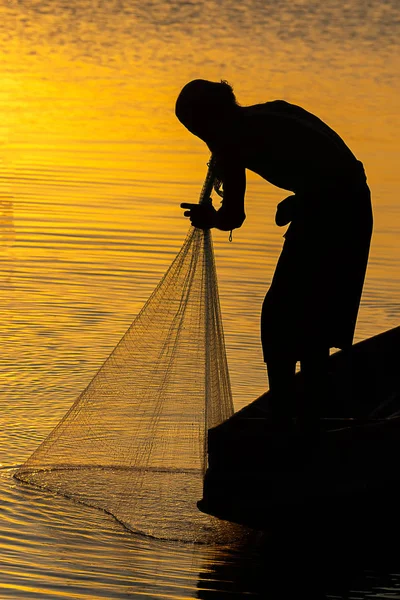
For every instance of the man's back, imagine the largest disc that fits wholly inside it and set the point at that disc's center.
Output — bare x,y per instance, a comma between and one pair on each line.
289,146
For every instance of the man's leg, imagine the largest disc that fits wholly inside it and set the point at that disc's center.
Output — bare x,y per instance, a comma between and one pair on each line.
314,368
281,370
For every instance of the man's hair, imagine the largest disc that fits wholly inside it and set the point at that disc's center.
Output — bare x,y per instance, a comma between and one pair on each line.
204,98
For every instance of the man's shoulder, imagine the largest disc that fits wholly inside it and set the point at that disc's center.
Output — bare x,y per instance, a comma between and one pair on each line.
275,106
281,111
288,114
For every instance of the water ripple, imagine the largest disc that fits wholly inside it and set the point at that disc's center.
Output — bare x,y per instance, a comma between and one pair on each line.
52,547
94,166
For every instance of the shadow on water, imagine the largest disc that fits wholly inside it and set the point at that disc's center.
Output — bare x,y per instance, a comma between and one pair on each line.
314,563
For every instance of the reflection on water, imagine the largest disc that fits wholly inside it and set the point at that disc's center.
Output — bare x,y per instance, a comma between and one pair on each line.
55,548
94,166
307,566
51,546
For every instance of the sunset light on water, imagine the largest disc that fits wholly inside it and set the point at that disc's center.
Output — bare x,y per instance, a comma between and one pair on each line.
94,168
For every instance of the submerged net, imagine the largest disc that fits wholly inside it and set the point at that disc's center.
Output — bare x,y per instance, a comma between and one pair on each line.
134,442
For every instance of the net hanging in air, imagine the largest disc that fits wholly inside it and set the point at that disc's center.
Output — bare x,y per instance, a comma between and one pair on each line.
134,442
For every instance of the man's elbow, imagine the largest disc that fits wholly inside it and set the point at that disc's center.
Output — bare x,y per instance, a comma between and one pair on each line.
239,221
228,222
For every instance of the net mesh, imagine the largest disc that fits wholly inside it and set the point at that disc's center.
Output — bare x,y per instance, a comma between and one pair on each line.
134,442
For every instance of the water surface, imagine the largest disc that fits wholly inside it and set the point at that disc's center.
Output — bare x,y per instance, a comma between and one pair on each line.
94,166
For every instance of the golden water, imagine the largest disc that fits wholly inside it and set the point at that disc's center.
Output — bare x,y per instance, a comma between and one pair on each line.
94,166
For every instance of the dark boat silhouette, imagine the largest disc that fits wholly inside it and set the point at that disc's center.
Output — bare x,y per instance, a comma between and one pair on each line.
259,471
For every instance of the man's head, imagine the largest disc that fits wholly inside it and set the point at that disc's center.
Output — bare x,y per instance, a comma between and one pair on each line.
202,105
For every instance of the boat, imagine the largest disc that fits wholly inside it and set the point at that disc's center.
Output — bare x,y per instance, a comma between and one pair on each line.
258,470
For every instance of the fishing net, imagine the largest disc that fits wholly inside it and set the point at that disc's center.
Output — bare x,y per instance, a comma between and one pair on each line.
135,441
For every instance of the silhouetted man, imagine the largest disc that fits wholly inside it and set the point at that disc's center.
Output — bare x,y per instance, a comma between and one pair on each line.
313,300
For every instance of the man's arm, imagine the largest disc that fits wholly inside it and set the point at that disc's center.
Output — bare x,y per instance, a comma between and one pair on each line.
231,215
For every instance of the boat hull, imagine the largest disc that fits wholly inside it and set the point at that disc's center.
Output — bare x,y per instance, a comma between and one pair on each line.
257,469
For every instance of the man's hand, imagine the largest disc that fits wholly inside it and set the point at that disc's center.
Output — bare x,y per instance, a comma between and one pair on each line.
203,216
